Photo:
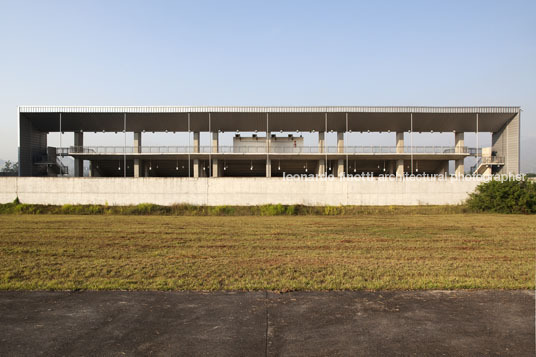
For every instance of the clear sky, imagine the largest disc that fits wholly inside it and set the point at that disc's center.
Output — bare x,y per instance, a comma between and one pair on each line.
266,53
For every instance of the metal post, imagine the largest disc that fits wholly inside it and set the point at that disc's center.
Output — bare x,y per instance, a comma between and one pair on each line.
188,144
125,145
411,140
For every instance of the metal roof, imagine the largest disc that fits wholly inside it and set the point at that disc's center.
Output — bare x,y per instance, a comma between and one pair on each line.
268,109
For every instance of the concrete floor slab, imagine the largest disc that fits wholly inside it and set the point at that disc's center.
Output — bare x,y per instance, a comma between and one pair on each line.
260,323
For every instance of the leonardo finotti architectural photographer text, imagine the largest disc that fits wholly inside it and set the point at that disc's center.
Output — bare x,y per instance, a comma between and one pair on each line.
367,176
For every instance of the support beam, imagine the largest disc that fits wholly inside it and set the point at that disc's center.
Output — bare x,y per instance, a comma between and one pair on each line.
459,148
78,163
400,142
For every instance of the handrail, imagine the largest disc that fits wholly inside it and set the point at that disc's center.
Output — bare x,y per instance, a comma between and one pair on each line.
261,149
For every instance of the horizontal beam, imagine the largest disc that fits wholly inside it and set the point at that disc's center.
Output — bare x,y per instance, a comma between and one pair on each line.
267,109
261,149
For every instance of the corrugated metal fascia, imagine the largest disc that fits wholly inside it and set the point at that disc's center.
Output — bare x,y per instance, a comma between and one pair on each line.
260,109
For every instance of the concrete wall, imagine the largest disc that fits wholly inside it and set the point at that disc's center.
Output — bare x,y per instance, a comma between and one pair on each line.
229,191
506,144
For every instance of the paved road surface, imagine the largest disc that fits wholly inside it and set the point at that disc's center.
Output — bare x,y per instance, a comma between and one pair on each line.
260,323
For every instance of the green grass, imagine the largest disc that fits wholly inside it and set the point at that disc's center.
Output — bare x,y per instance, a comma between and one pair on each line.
189,210
373,251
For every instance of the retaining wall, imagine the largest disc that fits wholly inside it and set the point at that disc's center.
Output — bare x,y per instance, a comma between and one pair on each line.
231,191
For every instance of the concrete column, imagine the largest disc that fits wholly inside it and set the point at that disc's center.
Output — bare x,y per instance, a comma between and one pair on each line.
78,163
459,148
444,168
215,141
196,150
399,167
196,168
340,142
391,167
340,167
321,142
137,149
268,167
321,167
321,149
400,142
196,141
214,148
215,168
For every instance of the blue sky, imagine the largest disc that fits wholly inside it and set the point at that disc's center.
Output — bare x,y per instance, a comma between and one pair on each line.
266,53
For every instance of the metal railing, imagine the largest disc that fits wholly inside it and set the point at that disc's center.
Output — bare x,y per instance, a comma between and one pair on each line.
262,150
487,160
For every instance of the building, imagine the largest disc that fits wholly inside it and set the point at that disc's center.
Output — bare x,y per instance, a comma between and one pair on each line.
275,145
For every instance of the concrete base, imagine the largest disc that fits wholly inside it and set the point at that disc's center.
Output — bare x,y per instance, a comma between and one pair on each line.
231,191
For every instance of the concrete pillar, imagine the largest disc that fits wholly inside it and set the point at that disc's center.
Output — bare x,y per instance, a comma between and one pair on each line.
196,150
340,167
196,168
444,168
214,148
321,142
321,149
215,141
215,168
78,163
340,142
400,142
137,149
196,141
459,148
268,167
399,167
321,167
391,167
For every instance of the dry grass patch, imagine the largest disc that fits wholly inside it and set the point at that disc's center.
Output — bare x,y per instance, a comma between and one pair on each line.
448,251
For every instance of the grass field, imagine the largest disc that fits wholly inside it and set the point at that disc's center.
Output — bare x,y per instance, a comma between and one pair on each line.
376,251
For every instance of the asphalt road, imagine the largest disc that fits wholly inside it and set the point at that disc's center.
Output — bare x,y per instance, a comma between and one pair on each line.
260,323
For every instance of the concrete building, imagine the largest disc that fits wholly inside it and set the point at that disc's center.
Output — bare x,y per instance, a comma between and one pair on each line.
274,148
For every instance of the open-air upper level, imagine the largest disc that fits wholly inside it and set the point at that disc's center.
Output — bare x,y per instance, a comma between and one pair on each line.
35,122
